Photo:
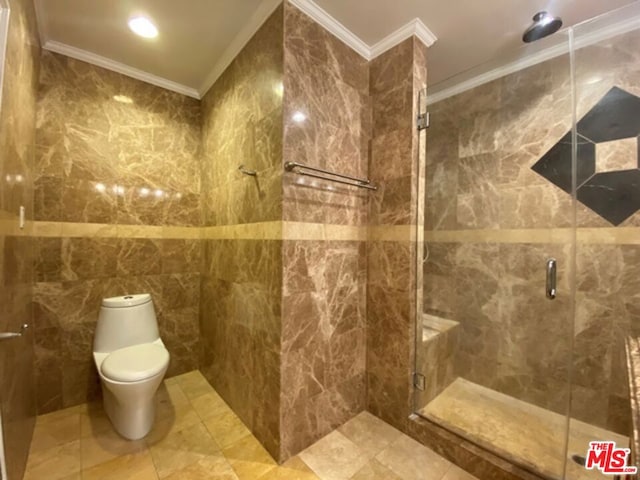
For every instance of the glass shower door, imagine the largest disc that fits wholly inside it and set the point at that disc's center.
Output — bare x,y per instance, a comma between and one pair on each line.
607,92
493,349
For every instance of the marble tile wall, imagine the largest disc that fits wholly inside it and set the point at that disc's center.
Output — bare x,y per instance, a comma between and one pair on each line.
17,143
72,277
482,146
323,339
241,289
114,150
397,77
328,83
119,160
240,325
327,121
438,344
242,125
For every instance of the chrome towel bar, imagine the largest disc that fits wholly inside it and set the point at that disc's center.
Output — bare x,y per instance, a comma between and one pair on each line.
300,169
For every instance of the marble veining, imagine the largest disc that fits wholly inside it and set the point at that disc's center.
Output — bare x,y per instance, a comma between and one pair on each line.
495,421
484,201
327,124
111,149
17,170
241,287
68,294
117,173
327,84
396,78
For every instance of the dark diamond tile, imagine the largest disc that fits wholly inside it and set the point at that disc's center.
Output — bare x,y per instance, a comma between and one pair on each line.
555,165
614,196
615,116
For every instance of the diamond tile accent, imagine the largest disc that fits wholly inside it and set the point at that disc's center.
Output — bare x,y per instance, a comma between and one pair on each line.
614,195
615,116
555,165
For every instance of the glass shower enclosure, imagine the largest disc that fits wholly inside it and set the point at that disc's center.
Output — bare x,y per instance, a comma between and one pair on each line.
531,265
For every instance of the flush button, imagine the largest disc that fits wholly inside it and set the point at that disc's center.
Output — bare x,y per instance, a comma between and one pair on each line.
128,297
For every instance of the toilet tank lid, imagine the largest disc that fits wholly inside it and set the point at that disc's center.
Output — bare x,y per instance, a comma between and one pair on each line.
126,301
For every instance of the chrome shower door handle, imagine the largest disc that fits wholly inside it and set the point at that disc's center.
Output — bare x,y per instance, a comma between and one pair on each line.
551,278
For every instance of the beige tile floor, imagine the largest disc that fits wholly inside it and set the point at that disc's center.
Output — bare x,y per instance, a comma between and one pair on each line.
197,436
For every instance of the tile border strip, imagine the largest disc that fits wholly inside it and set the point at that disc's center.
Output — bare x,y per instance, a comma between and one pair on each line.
279,230
606,236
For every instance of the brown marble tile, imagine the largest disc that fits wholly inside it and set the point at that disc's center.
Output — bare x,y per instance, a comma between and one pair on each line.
181,256
138,257
180,333
141,206
248,94
393,68
328,83
391,156
48,369
88,202
89,258
48,258
48,198
18,171
323,339
94,135
390,205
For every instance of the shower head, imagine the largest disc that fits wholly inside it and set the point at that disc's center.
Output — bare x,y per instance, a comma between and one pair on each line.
543,26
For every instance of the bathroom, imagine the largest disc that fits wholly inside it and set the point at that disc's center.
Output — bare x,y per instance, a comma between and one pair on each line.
339,244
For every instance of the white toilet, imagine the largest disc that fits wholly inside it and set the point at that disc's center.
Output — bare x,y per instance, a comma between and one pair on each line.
131,360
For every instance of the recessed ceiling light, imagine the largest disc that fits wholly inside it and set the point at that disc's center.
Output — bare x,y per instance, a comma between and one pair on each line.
143,26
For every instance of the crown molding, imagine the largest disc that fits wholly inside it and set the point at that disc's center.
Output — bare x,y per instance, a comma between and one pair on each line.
100,61
592,37
266,8
414,27
118,67
42,21
320,16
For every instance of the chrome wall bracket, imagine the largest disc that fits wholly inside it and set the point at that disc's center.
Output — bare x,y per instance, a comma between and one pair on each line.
10,335
424,121
244,171
419,381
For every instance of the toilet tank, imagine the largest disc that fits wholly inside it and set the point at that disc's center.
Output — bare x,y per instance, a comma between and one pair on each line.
125,321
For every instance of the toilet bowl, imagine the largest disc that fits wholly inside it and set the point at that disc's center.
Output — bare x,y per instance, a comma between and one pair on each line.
131,361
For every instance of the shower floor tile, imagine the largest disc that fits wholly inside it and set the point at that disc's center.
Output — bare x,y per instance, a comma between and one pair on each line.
521,432
198,437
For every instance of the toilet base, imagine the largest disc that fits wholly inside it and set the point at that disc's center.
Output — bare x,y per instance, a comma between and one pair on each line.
131,406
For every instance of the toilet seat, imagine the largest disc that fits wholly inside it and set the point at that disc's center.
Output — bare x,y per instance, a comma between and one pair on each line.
135,363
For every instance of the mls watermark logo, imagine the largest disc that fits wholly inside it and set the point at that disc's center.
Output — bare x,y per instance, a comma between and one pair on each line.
604,456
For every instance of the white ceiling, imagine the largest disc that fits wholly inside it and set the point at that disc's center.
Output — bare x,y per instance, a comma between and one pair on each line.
469,32
194,34
198,38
